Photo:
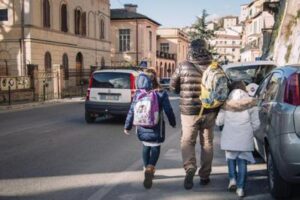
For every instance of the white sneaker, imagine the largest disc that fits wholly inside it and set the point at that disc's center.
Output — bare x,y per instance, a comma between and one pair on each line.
240,192
232,185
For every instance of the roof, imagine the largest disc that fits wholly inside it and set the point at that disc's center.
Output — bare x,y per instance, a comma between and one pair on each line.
123,14
247,64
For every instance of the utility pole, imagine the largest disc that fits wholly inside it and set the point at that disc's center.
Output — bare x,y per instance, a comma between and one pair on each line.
137,42
23,49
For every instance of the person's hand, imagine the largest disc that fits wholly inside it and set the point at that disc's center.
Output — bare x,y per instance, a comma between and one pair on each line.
126,132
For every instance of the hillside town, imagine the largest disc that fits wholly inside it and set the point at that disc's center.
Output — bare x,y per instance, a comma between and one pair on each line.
72,73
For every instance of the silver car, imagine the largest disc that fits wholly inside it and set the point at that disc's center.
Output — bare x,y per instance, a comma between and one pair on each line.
278,139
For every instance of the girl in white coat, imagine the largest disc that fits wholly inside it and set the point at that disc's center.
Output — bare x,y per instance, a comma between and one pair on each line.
240,119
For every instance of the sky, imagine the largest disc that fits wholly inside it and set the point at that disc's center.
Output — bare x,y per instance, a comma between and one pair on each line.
181,13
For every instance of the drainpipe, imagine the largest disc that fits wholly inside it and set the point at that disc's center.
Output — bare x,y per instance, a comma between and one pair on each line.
137,42
23,70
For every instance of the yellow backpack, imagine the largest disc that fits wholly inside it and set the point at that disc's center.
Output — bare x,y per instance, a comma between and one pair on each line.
214,87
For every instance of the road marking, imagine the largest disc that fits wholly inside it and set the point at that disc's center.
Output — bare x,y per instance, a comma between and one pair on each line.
101,193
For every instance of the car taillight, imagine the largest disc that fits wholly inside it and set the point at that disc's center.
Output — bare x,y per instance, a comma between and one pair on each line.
89,88
292,90
132,85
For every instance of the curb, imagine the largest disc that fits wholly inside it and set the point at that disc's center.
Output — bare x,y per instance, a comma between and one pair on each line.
39,104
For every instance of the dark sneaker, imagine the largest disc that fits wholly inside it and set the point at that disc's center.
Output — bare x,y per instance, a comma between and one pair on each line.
149,174
188,180
204,181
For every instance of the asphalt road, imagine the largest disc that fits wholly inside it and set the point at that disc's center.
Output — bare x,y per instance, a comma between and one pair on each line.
51,153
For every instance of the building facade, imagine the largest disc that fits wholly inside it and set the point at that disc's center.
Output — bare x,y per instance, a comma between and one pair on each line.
257,27
227,44
230,21
133,38
172,47
73,34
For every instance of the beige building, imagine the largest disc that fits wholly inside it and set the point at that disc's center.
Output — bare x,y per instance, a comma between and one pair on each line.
229,21
227,44
48,33
172,47
258,25
133,37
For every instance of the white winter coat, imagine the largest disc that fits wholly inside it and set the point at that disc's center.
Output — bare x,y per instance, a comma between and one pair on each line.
240,119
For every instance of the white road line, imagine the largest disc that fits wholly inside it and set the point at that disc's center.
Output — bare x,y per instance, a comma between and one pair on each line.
101,193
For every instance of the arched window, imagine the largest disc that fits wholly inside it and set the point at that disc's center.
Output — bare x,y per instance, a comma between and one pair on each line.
65,63
165,70
46,13
80,22
79,68
102,62
64,18
48,62
102,29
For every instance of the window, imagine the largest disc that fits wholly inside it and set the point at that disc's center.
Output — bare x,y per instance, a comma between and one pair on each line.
77,21
233,49
66,66
3,15
102,29
272,87
111,80
83,24
233,42
64,18
150,40
48,62
164,47
46,13
124,40
102,62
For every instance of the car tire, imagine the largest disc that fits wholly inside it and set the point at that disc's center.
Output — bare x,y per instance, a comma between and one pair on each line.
88,118
279,188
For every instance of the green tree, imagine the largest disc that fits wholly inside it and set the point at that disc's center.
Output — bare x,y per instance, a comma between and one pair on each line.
199,28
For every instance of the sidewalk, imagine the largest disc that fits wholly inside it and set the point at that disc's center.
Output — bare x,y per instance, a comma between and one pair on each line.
21,106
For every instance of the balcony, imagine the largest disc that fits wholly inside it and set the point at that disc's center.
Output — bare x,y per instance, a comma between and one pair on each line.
164,55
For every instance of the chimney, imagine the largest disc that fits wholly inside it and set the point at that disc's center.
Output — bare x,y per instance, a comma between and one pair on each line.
131,7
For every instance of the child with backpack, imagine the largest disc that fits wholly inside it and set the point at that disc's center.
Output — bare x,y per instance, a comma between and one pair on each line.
146,113
240,119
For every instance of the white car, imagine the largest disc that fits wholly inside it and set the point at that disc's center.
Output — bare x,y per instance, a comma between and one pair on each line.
110,92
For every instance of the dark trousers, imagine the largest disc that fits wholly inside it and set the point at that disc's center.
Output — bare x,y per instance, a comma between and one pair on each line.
150,155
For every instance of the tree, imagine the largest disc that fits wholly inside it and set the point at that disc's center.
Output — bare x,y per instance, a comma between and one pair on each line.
199,28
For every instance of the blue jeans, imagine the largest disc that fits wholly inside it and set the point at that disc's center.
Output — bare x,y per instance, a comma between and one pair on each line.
239,176
150,155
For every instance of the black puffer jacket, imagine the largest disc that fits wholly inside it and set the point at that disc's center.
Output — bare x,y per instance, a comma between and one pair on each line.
186,81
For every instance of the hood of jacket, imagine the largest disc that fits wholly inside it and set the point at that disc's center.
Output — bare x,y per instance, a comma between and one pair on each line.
238,101
144,82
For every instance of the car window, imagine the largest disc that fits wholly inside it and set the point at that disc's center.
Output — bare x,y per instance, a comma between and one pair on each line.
260,93
111,80
273,87
249,74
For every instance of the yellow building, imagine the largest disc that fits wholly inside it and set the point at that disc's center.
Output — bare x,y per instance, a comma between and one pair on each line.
172,48
48,33
133,37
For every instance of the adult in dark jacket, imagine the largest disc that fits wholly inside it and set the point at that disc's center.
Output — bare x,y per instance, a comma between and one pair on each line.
186,81
151,137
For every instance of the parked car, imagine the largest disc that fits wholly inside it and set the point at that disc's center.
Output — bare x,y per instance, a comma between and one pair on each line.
110,92
249,72
278,139
165,83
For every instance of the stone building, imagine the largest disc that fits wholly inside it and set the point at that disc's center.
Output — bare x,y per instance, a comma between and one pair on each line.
258,24
74,34
230,21
133,37
172,47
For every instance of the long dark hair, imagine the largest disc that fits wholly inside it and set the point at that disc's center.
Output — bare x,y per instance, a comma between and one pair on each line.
153,76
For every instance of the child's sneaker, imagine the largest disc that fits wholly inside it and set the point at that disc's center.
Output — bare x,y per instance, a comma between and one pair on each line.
149,174
240,192
232,185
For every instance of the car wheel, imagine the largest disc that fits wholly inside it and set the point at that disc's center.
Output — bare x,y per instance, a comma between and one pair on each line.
279,188
88,118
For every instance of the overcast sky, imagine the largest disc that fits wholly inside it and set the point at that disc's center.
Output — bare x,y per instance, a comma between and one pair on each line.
180,13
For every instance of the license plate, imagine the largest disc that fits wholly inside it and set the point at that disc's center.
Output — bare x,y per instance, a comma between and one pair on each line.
109,97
